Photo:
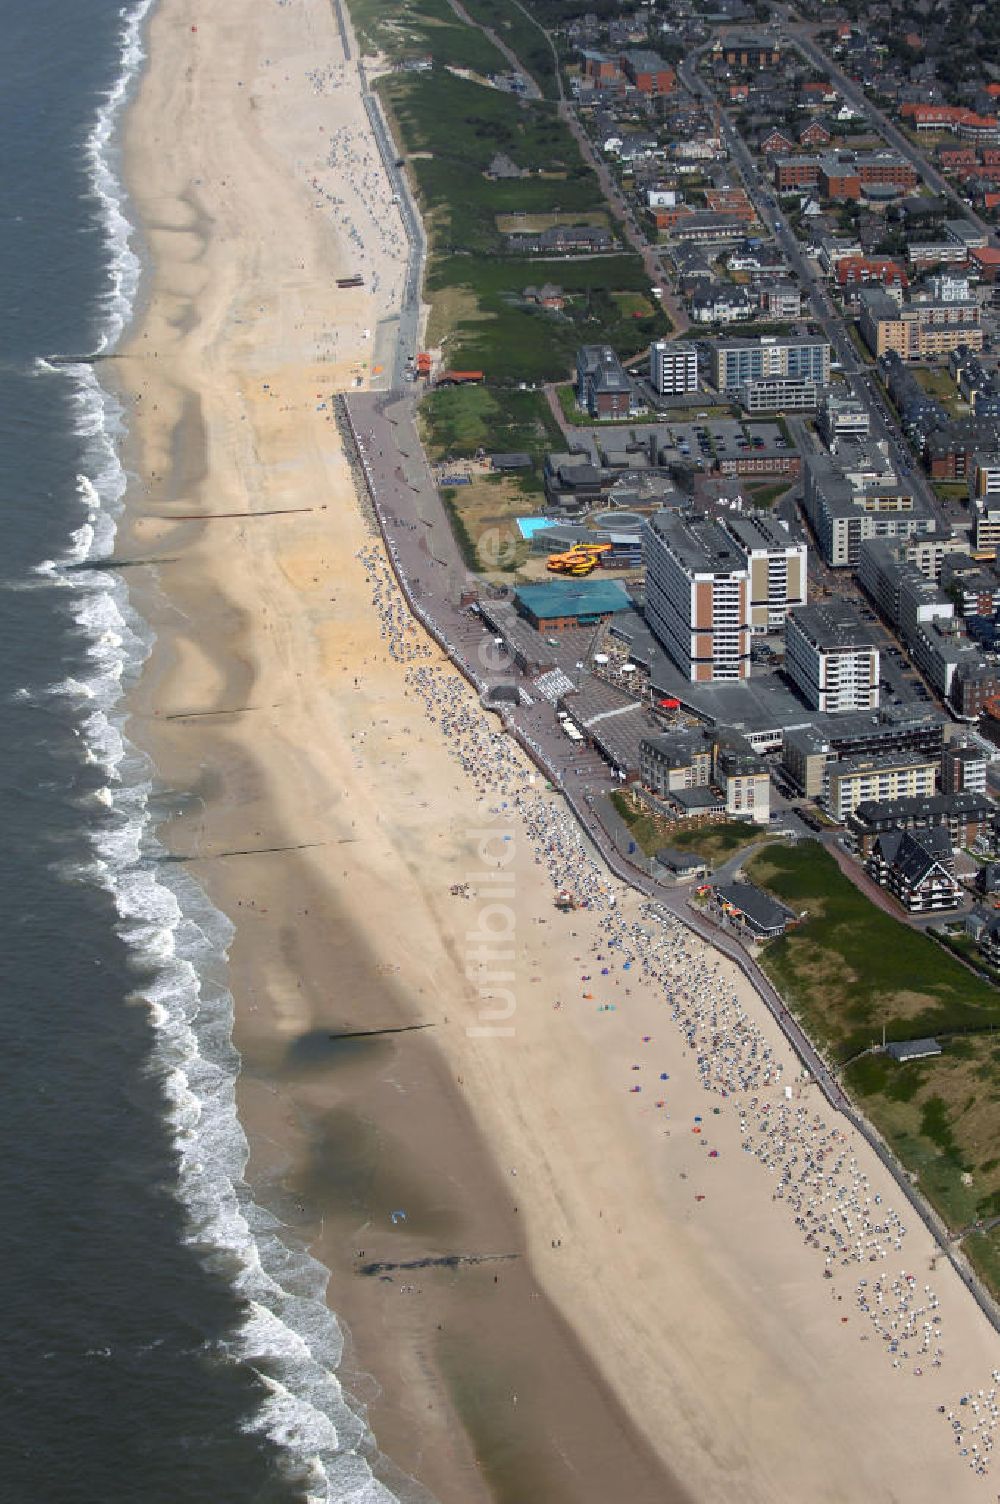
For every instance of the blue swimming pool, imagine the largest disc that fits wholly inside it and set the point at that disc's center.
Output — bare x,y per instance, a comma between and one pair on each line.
529,526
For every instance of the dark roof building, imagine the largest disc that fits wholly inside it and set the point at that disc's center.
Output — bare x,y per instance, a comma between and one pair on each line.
515,461
913,1049
964,815
602,386
917,868
681,863
760,914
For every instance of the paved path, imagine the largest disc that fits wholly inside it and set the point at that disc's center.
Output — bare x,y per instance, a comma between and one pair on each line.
802,34
532,91
859,378
425,561
382,442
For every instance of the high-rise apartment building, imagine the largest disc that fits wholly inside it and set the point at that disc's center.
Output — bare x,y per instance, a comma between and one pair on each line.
778,569
740,362
698,596
673,367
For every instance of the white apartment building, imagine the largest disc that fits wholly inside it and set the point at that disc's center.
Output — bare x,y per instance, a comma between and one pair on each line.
984,483
698,596
831,657
739,362
785,394
843,417
673,367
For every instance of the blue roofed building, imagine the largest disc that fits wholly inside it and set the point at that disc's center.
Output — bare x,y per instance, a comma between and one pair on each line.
564,604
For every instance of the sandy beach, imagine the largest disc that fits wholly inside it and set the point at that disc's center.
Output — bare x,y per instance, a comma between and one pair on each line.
643,1301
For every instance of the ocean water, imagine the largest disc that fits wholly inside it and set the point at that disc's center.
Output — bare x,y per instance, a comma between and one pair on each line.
161,1339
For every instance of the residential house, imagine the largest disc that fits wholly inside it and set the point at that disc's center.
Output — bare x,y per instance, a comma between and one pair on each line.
602,386
917,868
815,134
777,142
721,303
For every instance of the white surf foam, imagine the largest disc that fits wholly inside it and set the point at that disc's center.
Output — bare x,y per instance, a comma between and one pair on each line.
178,942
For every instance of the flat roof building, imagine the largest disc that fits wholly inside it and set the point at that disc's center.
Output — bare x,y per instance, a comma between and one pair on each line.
778,569
784,394
673,367
917,330
857,495
843,416
737,363
832,658
698,596
808,751
562,604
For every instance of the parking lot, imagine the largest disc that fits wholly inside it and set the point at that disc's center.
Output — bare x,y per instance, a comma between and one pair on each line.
726,437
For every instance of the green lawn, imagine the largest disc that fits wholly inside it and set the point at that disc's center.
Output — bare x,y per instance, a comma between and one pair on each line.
451,129
571,409
460,126
469,124
716,842
952,490
766,496
411,28
983,1250
963,945
936,382
850,968
456,421
942,1118
713,842
490,327
525,39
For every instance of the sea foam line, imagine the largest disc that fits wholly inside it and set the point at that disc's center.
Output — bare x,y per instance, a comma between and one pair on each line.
179,942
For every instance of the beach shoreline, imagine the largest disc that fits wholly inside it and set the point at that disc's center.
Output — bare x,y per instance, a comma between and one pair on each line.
212,765
600,1331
